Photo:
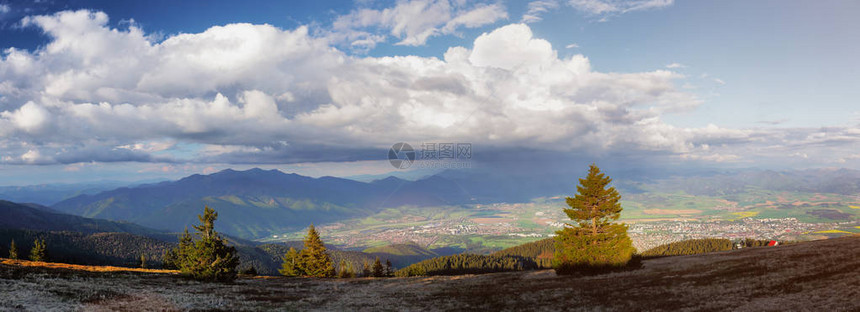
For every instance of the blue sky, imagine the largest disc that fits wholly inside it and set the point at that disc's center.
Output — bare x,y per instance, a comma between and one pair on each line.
134,90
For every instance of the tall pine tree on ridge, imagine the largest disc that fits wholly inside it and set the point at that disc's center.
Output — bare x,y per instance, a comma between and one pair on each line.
315,260
209,257
312,261
595,243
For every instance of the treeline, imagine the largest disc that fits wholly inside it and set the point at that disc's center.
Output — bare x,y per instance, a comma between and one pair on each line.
314,260
467,264
120,249
689,247
699,246
540,251
123,249
403,254
275,253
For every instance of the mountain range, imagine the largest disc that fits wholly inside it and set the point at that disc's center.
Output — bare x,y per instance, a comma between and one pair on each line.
49,194
257,203
119,225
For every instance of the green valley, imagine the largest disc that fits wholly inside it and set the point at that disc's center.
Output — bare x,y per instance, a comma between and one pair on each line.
654,217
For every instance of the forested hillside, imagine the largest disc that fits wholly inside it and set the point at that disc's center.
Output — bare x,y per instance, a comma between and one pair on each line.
699,246
541,251
468,264
401,255
275,252
118,249
39,218
79,240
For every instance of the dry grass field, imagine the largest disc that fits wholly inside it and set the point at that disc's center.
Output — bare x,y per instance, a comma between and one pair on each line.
821,275
76,267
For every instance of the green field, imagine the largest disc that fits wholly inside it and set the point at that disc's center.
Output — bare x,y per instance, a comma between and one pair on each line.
806,207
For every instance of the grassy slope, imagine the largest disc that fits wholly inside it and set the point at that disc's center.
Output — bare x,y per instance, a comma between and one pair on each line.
76,267
820,275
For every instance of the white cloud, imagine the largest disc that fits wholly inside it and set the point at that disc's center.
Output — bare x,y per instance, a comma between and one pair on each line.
538,8
511,47
4,8
711,157
33,156
604,7
571,46
153,146
28,118
244,93
593,6
477,16
675,65
413,22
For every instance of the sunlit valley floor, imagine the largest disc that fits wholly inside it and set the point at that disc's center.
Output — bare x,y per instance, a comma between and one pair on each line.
654,218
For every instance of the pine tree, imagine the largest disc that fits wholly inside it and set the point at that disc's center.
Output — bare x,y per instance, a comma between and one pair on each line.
208,258
341,269
345,270
169,260
350,271
185,249
142,261
366,270
377,268
315,261
389,270
172,259
595,242
39,251
291,264
13,251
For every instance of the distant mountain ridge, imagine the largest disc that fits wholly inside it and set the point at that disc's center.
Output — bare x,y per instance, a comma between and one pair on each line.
49,194
257,203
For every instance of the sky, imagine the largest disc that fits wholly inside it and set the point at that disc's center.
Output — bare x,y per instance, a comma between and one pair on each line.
136,90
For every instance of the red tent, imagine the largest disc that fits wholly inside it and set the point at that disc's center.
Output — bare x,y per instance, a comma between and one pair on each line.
773,243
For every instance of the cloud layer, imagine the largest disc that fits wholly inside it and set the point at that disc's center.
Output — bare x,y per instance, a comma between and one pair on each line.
603,9
412,22
243,93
